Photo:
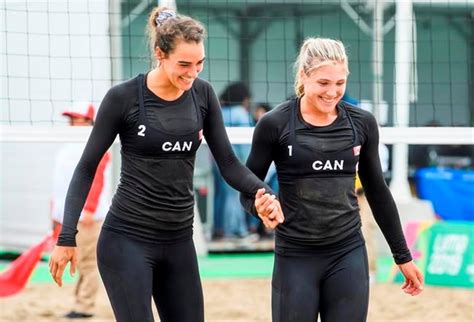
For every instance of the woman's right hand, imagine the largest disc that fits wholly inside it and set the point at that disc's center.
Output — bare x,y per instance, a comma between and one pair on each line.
57,263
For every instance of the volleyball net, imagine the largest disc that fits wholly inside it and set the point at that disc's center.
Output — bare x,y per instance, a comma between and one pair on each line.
411,64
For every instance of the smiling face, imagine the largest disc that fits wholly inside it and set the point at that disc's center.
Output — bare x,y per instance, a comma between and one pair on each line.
183,65
325,86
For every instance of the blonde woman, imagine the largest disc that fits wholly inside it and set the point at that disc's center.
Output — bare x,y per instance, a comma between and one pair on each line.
318,143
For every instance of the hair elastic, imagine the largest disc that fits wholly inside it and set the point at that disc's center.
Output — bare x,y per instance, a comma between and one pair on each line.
165,14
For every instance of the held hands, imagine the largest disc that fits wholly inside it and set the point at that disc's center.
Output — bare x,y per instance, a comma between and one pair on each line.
268,209
59,258
413,284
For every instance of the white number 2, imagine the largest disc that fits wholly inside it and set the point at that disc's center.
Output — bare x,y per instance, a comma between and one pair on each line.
142,129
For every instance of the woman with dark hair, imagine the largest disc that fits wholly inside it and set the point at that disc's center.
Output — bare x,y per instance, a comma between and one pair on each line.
145,249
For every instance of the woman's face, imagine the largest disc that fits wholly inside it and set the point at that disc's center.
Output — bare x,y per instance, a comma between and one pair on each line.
325,86
183,64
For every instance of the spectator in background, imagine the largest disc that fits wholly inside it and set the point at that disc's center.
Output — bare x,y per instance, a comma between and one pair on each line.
229,217
366,216
93,213
446,156
255,225
259,110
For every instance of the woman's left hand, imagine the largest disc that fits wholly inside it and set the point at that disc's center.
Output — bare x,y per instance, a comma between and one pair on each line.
413,278
268,209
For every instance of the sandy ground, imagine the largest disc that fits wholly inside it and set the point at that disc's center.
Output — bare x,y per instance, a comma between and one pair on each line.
248,300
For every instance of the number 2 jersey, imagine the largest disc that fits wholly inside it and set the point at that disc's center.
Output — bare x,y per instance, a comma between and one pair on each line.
316,167
159,139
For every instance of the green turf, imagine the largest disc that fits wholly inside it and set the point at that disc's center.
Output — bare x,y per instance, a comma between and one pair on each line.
385,265
219,266
238,265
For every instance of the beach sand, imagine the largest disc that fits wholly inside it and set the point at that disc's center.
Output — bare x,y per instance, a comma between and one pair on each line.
248,300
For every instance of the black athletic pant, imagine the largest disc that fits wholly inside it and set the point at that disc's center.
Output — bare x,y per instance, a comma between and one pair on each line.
332,281
134,271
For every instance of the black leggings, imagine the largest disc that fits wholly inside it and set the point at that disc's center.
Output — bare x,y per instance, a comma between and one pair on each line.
133,272
333,283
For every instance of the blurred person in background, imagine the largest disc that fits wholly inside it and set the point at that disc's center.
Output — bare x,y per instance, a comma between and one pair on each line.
442,156
260,109
255,225
367,219
92,215
229,217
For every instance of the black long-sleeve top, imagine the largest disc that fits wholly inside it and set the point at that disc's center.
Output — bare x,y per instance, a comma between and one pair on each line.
159,140
316,167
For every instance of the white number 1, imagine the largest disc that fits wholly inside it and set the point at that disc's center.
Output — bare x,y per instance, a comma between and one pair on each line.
290,150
